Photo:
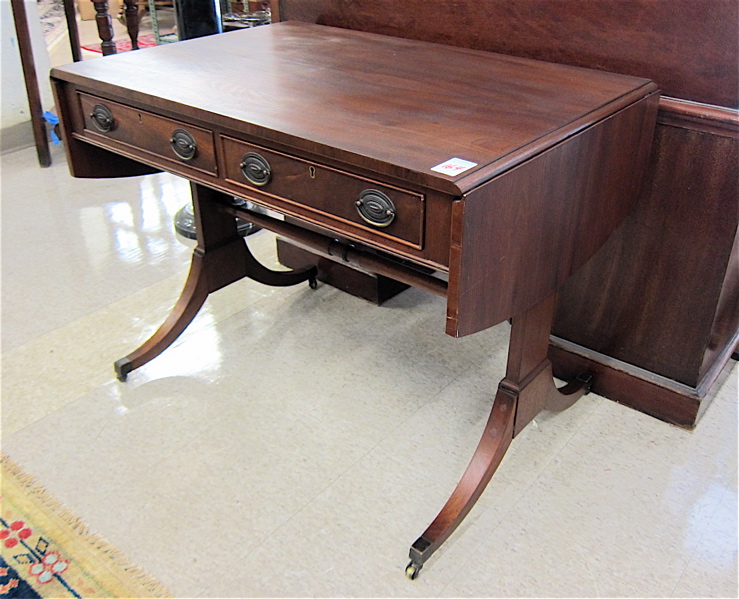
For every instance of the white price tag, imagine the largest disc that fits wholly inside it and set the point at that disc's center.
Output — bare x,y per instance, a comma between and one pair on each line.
454,167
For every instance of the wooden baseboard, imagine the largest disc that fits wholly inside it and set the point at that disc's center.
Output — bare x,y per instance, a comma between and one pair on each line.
640,389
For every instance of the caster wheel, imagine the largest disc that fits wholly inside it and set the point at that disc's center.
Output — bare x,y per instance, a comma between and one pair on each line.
413,570
313,283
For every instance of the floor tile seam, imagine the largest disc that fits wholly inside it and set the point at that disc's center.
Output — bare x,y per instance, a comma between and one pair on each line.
586,421
431,397
542,472
189,333
307,503
583,552
243,557
82,391
88,385
513,507
179,446
680,579
475,550
587,554
485,538
559,451
726,488
318,493
150,467
75,323
153,465
705,534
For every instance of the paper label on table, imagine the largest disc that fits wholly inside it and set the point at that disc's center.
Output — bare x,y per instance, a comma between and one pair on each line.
454,167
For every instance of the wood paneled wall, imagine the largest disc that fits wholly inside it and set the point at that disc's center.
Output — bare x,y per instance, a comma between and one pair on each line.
656,312
688,47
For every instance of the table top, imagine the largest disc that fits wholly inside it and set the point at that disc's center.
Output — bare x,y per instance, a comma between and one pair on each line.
396,106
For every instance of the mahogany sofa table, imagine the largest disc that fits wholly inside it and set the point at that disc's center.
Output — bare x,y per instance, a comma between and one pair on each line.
483,178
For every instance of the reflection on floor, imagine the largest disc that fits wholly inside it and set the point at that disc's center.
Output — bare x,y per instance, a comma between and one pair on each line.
295,442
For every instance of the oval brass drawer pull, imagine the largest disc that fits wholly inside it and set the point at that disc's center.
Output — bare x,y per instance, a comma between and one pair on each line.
375,208
102,118
183,145
256,169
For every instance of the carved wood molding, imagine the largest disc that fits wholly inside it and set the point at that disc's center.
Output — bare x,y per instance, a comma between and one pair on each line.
700,117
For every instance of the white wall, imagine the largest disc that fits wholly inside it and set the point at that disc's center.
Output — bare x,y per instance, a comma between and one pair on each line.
14,99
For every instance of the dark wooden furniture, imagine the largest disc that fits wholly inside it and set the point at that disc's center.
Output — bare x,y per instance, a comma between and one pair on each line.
30,78
28,64
104,23
666,320
501,175
70,16
656,312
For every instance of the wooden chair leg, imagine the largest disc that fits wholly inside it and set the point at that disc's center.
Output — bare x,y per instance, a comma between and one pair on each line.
105,27
527,388
132,22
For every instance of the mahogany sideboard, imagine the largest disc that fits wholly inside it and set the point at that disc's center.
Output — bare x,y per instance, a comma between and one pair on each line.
483,178
656,312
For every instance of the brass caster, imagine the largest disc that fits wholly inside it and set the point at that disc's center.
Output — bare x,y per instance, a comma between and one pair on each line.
412,570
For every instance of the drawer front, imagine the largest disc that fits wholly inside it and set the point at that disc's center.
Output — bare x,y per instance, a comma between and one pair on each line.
326,195
148,133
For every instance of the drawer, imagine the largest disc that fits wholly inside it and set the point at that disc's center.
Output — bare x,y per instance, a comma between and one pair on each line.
325,195
149,134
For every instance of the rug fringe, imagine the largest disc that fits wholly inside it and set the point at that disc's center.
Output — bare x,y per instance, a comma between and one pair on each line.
117,558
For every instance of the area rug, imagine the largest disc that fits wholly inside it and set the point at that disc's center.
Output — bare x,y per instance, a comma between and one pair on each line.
124,45
53,23
45,551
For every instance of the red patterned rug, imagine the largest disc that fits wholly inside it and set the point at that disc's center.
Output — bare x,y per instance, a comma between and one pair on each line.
46,551
124,45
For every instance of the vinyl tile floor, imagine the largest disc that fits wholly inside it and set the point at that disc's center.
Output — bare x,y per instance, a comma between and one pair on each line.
295,442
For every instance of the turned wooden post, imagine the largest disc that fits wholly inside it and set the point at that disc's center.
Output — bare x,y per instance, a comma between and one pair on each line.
132,22
105,27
